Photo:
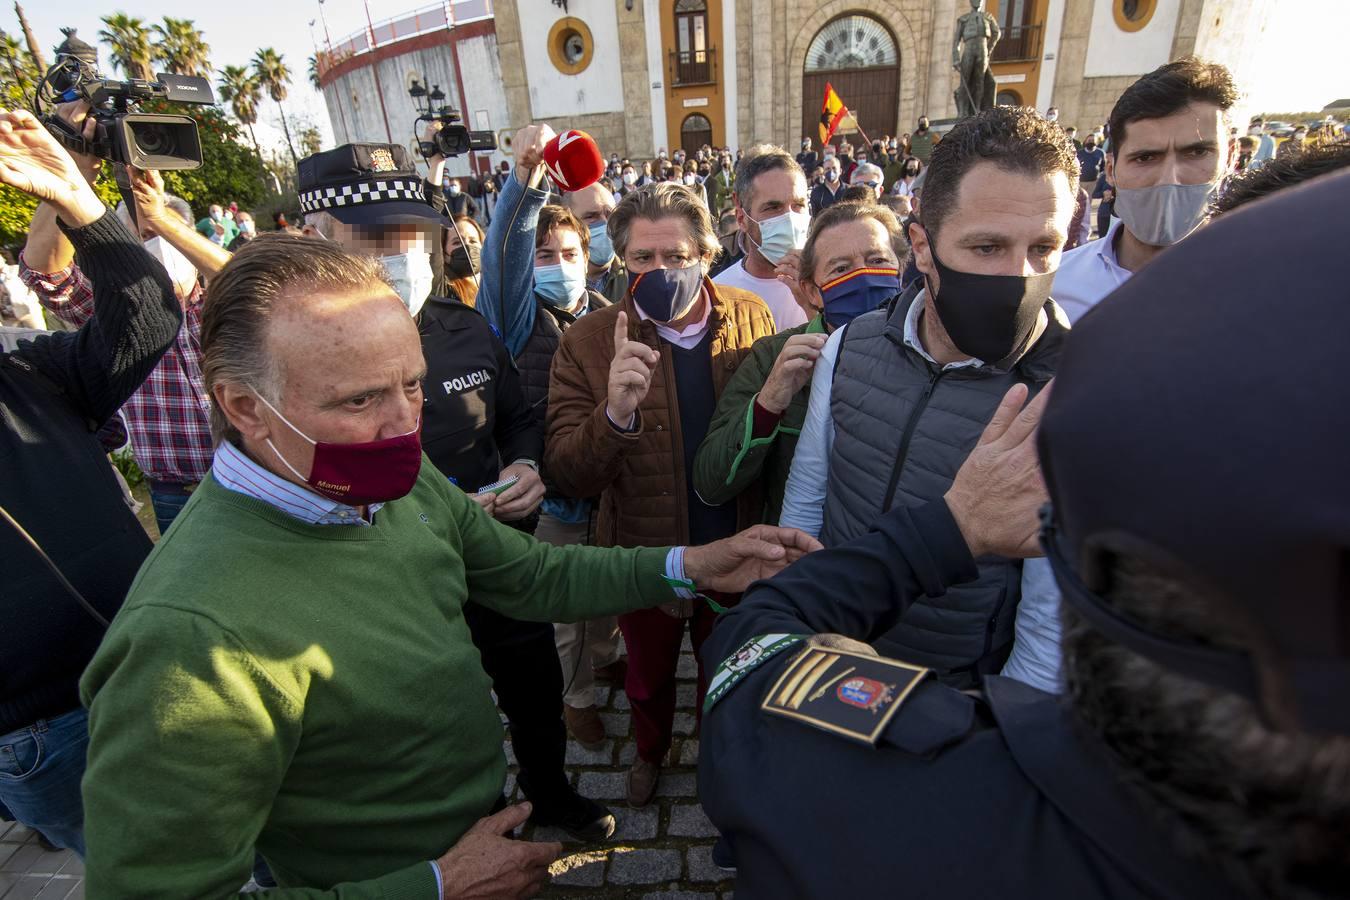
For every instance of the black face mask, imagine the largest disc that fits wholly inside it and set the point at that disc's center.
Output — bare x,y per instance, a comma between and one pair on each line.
462,261
923,126
990,317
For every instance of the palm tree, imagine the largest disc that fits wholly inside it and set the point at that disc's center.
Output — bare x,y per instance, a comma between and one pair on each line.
129,40
314,72
17,68
270,69
241,90
181,47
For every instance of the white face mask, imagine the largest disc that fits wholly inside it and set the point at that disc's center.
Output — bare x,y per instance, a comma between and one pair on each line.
181,271
1164,214
412,277
454,189
781,234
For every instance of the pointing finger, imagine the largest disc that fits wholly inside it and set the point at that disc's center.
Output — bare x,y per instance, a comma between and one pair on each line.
620,332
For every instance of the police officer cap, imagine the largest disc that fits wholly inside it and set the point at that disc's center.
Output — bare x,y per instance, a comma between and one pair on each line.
1201,415
365,184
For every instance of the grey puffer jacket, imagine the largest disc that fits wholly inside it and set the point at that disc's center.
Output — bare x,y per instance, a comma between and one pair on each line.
902,427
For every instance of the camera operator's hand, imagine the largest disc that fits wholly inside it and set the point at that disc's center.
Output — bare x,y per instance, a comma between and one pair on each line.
429,136
77,115
528,145
147,191
33,162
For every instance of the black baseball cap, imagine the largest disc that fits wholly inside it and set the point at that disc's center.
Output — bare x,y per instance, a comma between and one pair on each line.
1201,415
365,184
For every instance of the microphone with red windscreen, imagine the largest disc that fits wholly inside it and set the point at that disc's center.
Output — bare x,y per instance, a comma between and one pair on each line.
573,160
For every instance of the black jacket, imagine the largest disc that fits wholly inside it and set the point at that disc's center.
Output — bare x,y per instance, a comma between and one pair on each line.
1000,795
822,198
55,393
475,420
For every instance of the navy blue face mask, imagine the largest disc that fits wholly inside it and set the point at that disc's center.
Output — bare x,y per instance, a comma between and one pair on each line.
857,292
666,294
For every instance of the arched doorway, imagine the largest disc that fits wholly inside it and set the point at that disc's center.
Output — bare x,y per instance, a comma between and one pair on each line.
695,131
857,55
1009,97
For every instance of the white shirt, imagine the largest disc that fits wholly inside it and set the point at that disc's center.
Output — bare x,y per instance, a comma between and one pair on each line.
1088,273
776,295
804,498
1036,658
902,188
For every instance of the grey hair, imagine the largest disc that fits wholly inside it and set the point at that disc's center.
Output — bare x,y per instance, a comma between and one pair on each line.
660,201
322,222
171,201
757,160
865,169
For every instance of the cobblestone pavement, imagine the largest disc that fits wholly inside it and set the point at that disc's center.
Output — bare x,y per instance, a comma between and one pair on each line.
657,853
661,852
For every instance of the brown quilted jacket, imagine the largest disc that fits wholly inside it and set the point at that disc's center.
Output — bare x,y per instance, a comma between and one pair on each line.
639,477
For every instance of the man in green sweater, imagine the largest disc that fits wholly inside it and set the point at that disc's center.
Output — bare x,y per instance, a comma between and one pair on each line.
850,266
291,670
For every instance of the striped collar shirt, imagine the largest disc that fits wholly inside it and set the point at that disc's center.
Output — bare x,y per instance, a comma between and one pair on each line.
236,472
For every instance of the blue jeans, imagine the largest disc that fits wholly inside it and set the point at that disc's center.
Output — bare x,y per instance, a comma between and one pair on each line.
40,771
167,507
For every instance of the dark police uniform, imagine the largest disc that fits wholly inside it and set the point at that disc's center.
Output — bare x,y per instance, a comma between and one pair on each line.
475,421
995,795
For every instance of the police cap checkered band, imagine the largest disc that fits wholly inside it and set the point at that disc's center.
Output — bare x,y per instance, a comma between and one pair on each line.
377,191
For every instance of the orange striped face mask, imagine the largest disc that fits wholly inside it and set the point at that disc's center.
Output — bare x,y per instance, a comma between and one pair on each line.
857,292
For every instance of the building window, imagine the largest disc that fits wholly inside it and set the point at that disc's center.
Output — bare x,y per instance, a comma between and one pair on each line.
1008,97
851,42
570,46
695,131
1021,41
693,59
1132,15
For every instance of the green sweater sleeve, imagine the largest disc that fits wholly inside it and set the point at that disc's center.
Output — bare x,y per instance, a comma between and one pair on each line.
511,572
729,460
190,729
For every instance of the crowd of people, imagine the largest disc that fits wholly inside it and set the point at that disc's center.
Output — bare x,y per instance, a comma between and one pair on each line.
966,514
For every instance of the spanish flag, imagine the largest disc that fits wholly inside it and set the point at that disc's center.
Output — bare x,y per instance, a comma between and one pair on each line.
831,114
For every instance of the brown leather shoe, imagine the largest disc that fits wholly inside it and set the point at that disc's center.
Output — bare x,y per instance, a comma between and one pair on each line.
585,725
614,673
642,779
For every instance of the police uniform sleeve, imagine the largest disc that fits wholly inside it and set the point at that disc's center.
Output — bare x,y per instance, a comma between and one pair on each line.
859,589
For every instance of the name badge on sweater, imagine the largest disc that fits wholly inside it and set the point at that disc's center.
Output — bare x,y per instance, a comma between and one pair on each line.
849,694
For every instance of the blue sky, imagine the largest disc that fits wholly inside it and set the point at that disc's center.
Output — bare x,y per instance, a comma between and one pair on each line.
1294,75
233,28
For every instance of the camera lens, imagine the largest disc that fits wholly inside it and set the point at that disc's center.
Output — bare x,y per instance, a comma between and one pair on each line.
154,141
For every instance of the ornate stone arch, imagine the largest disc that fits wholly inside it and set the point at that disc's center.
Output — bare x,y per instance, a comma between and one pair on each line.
901,27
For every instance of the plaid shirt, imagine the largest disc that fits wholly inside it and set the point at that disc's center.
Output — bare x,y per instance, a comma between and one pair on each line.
169,416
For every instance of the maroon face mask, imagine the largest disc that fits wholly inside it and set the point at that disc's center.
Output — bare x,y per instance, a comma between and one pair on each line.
361,473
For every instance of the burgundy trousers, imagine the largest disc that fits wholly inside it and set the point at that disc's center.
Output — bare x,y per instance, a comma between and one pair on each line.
653,640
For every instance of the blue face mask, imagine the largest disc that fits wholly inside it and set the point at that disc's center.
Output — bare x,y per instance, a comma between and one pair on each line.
857,292
666,294
560,285
602,248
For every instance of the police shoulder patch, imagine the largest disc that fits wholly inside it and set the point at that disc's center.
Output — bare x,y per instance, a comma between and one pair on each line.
752,654
849,694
